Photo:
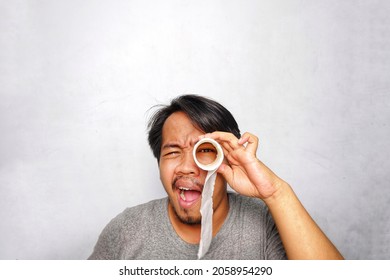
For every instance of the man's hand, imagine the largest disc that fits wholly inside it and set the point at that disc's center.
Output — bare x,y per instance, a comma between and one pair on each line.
245,173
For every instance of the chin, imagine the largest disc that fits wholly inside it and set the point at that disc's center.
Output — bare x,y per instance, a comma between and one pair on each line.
190,221
186,217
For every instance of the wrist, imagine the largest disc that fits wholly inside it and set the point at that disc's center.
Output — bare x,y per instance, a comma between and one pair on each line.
281,189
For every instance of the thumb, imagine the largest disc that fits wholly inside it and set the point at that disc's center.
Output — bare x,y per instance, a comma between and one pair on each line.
227,172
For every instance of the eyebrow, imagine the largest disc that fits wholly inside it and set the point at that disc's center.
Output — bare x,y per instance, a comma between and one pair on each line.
170,145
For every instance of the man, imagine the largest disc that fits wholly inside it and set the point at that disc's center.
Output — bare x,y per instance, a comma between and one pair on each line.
263,219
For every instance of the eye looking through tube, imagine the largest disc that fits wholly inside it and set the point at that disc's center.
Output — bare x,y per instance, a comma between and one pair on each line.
208,154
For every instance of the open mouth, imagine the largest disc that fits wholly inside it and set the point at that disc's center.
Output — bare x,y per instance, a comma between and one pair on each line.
189,195
188,191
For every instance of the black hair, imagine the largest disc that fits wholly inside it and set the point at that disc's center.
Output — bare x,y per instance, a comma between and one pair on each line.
205,114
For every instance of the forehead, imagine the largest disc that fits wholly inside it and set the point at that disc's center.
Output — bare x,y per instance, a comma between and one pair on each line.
178,127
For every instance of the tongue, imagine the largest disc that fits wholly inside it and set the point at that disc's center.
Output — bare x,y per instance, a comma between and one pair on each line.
191,195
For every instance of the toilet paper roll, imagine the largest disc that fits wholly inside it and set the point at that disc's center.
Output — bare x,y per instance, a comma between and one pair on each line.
208,155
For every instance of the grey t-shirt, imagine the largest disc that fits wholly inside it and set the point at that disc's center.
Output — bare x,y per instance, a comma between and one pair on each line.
145,232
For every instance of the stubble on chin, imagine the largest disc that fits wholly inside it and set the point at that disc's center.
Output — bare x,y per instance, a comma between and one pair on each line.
185,217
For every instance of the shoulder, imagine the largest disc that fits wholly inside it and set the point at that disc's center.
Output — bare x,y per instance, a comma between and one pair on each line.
249,209
131,215
258,224
153,205
246,203
118,235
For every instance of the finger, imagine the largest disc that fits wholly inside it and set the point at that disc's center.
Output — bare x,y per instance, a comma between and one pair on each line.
221,138
244,138
250,141
229,140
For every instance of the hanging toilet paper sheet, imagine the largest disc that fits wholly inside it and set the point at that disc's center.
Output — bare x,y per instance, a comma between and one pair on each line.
208,155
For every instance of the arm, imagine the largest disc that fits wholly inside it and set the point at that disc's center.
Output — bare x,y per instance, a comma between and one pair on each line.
301,236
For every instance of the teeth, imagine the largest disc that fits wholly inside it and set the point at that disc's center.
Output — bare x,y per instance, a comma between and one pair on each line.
182,195
185,189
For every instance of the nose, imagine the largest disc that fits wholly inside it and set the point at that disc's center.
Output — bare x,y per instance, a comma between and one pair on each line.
187,165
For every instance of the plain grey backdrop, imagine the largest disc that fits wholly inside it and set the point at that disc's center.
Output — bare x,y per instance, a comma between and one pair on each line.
310,78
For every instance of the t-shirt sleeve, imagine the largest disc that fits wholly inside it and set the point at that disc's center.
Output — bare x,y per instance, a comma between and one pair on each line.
107,246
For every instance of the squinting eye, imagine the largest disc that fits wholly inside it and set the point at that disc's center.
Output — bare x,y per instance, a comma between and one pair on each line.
171,154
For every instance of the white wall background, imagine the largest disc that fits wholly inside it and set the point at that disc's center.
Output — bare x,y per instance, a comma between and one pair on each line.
310,78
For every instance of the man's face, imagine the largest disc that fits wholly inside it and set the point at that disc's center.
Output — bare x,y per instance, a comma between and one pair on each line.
183,180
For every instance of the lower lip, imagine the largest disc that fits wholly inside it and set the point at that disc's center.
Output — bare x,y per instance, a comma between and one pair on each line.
187,204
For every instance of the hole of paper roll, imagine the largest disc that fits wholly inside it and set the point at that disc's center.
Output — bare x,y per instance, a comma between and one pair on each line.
206,153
